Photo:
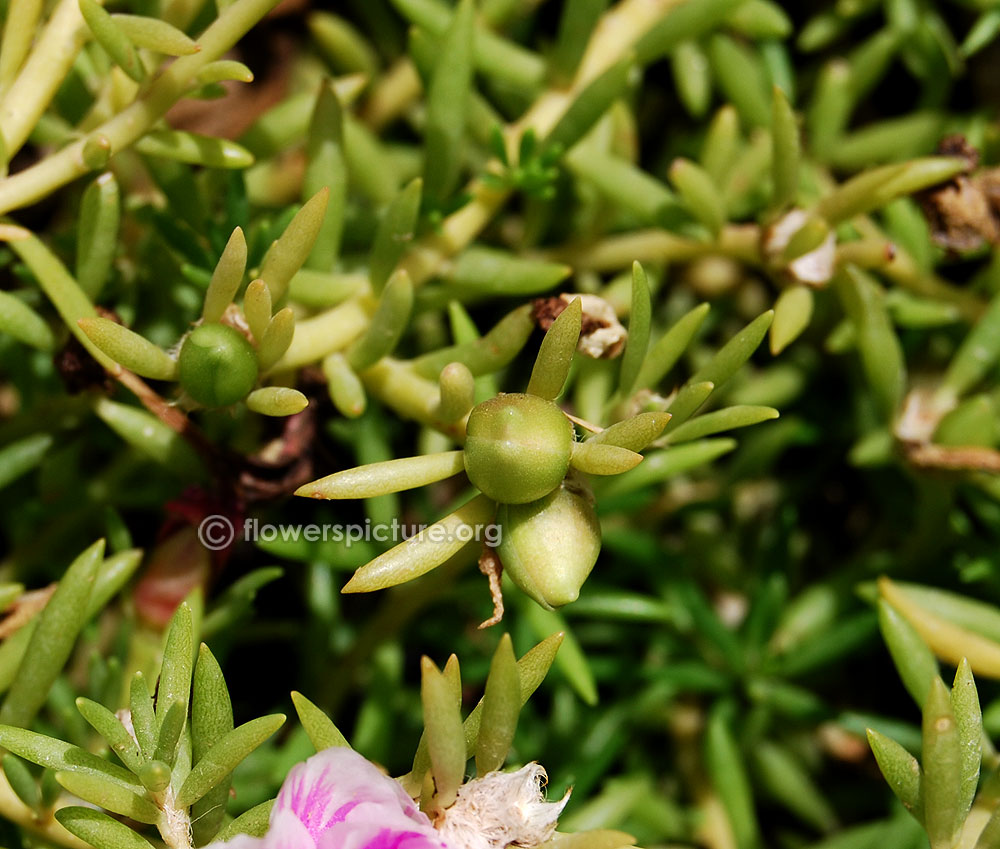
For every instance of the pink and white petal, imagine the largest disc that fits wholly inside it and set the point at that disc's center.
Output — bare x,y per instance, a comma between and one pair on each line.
284,831
375,835
331,785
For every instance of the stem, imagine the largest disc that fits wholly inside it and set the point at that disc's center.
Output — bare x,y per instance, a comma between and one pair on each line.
412,396
130,124
48,64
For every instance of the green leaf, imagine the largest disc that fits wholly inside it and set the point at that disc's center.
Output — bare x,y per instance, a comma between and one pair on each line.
98,829
20,457
731,356
288,253
742,79
97,233
111,729
785,152
571,660
878,345
425,551
598,458
21,781
178,663
56,755
155,34
501,706
396,229
487,354
276,338
24,324
969,721
322,732
118,799
448,96
276,401
914,660
901,771
728,774
555,356
635,433
976,355
792,314
638,332
387,476
458,392
254,822
194,149
717,421
445,740
169,736
487,271
784,778
668,350
226,277
659,466
686,402
143,718
224,756
150,437
326,165
345,387
211,720
700,194
594,839
942,765
112,38
387,324
50,645
131,350
589,105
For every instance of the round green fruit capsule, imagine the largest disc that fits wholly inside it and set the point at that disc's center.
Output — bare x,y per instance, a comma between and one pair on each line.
549,546
217,365
517,447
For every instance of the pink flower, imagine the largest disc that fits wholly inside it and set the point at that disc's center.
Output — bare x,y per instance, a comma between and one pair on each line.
339,800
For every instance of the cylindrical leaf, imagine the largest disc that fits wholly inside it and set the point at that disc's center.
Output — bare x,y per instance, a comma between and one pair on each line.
131,350
555,355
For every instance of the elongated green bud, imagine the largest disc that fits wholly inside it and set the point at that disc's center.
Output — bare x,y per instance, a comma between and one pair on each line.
517,447
257,308
217,366
194,149
131,350
344,385
387,325
276,339
555,356
596,458
293,247
458,388
277,401
226,277
385,477
549,546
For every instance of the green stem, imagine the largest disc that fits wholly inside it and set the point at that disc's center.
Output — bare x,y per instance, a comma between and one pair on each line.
48,64
130,124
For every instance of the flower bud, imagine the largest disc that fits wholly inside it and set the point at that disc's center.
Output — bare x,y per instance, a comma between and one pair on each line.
549,546
218,366
517,447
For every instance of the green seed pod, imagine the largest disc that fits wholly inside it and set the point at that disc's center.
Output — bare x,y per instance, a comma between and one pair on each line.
549,546
218,366
517,447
